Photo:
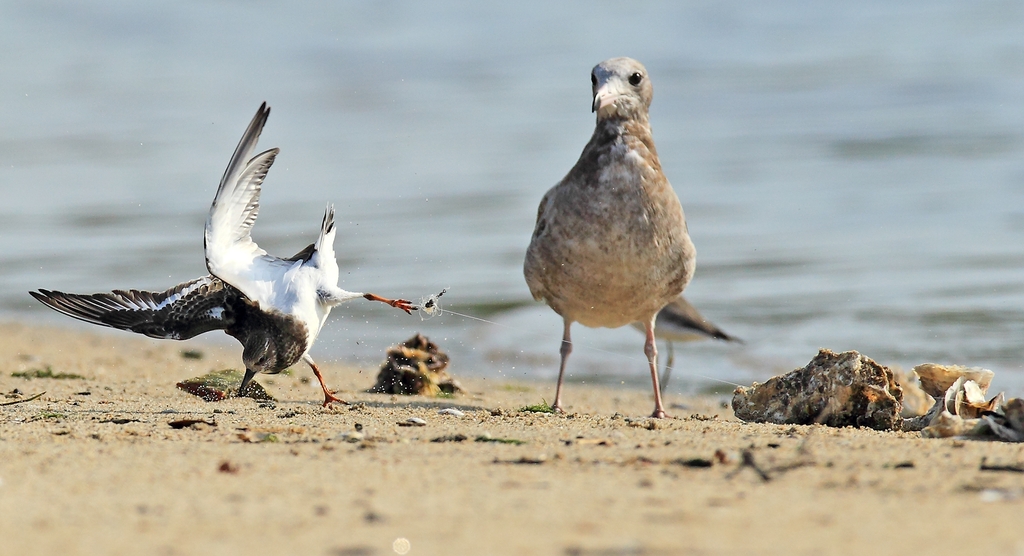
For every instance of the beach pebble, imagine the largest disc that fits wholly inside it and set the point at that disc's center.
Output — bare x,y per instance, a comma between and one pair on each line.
1000,495
354,436
451,411
413,422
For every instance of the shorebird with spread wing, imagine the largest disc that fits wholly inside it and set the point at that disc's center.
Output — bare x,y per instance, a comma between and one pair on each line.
274,307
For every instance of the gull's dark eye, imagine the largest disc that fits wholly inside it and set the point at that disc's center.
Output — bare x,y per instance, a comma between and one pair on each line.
593,80
635,79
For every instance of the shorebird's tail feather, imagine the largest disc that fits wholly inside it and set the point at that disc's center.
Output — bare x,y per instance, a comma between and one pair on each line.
325,243
326,229
184,311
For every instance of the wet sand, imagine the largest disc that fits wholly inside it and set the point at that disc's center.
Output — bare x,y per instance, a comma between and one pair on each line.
93,467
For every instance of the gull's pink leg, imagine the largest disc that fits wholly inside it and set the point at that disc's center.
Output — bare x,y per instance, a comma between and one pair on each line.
403,304
651,350
328,396
564,351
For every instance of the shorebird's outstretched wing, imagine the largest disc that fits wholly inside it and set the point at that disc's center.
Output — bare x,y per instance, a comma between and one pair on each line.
184,311
231,254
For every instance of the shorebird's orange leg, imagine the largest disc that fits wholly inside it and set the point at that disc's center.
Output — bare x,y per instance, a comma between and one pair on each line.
564,351
328,396
651,350
403,304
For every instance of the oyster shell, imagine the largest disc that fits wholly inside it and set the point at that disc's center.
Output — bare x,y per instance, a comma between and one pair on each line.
962,410
834,389
916,401
966,399
936,379
1008,425
946,424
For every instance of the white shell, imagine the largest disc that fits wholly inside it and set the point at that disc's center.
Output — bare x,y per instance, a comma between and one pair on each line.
936,379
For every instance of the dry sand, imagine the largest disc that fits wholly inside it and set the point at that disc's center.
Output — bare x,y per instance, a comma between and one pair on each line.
92,467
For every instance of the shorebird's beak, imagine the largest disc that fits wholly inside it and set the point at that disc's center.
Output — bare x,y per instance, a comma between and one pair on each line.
249,373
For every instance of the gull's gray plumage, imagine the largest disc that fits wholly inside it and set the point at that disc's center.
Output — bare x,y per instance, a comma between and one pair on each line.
274,307
610,246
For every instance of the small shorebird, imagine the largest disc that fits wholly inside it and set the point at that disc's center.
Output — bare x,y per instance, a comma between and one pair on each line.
610,246
681,322
275,307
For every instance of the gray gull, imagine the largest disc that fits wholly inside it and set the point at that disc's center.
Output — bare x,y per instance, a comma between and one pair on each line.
610,246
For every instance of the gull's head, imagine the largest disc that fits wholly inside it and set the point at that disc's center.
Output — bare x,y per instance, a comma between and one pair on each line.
621,88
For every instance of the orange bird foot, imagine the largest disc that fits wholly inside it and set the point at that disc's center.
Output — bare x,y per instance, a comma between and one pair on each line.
403,304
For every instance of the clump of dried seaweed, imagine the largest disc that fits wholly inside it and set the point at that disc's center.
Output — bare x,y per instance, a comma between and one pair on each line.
416,366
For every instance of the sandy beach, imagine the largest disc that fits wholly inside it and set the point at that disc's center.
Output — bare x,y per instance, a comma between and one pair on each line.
94,467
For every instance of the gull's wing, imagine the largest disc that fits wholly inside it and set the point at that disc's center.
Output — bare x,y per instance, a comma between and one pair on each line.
184,311
231,254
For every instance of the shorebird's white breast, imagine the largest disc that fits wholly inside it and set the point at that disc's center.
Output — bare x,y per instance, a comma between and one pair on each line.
293,292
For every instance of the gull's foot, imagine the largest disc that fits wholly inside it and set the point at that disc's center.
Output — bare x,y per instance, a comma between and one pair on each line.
659,414
329,397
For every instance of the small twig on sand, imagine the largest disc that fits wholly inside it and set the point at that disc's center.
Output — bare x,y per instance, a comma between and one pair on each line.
748,461
1011,468
23,401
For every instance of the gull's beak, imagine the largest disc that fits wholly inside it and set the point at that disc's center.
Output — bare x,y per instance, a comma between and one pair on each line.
605,96
249,373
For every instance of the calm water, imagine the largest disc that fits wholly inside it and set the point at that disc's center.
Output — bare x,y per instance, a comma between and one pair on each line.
853,176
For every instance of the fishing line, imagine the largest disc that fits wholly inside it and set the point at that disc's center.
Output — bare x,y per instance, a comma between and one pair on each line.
431,307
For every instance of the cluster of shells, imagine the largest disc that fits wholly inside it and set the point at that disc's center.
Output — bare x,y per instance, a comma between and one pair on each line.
961,406
849,389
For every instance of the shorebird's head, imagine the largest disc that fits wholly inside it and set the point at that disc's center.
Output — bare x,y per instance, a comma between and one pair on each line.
621,88
258,353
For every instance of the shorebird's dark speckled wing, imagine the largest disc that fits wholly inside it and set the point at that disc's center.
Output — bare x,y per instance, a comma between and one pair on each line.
184,311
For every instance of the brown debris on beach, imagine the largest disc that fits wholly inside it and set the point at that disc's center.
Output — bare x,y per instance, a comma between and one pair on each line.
416,366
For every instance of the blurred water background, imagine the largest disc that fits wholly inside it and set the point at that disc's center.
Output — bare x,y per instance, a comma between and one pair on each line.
852,174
